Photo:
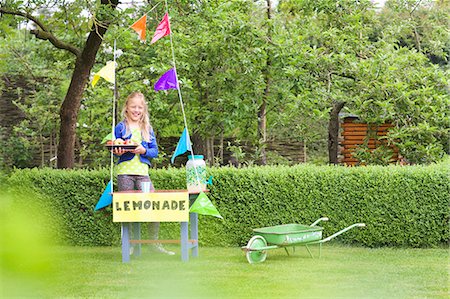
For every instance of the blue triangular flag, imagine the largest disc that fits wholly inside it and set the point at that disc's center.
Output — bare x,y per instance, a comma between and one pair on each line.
106,198
184,144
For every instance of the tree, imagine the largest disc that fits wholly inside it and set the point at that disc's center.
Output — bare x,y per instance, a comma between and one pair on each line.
29,75
84,56
420,25
220,67
409,92
328,41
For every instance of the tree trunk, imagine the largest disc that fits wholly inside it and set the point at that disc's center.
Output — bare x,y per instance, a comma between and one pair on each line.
41,141
198,144
210,150
304,151
71,104
262,113
333,132
221,148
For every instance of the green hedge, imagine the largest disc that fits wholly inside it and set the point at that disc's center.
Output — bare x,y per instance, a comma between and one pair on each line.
401,206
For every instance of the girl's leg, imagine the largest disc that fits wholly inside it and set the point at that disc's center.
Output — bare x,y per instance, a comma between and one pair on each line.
153,227
126,183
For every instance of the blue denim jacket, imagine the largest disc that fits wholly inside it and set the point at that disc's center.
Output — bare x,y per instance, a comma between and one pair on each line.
151,148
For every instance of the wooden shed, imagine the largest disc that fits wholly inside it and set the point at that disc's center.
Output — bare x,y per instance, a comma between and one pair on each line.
353,133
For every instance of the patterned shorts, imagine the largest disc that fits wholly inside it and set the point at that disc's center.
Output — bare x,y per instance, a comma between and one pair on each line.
127,182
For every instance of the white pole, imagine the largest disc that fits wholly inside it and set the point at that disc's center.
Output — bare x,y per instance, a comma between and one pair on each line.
181,99
113,118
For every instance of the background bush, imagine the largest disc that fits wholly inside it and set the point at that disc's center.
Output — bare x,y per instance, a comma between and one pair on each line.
401,206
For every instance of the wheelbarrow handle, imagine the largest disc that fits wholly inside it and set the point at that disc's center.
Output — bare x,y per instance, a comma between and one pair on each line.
341,232
318,220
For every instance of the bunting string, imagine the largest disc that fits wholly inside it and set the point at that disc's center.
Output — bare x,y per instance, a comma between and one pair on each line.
168,81
180,97
145,14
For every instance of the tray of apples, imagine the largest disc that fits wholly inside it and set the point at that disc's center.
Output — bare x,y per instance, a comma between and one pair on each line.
126,144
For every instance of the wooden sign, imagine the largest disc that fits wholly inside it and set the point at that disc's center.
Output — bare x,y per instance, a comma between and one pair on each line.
151,207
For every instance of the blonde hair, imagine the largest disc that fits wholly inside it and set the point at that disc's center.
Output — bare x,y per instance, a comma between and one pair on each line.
144,121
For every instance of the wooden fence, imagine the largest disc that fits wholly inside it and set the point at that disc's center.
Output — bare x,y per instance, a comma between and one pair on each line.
354,134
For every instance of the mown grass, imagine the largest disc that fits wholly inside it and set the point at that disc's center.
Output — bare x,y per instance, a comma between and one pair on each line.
341,272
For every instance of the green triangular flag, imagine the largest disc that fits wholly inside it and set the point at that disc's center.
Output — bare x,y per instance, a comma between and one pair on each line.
107,137
204,206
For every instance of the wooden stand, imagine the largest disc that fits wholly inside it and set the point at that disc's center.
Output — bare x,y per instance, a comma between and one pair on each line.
185,242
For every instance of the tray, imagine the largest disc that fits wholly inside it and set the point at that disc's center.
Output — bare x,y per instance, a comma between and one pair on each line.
122,146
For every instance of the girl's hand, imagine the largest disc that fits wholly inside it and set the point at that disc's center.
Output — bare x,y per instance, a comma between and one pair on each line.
139,150
118,151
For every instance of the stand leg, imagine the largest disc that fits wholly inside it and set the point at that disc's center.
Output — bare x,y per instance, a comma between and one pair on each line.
125,242
193,219
184,241
137,236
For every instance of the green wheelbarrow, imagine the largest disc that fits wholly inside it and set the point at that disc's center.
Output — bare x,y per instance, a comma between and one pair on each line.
283,236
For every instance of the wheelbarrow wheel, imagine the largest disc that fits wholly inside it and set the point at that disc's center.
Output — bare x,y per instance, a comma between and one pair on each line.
254,255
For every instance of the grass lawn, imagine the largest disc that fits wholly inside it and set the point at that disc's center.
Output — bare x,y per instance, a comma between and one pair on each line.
342,272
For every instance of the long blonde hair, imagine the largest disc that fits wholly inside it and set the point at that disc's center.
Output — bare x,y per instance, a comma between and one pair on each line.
144,121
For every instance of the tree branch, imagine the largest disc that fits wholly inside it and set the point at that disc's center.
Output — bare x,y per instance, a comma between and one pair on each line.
44,33
348,76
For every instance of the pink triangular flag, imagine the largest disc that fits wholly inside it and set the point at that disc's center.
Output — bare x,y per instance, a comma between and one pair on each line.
162,30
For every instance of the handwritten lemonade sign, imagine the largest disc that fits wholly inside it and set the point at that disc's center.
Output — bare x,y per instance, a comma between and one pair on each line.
170,206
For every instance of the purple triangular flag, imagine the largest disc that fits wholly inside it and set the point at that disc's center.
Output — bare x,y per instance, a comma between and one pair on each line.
167,81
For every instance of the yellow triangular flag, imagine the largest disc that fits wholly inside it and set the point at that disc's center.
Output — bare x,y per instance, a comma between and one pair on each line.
107,72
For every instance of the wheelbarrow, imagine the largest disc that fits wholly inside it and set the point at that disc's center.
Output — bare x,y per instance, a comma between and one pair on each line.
283,236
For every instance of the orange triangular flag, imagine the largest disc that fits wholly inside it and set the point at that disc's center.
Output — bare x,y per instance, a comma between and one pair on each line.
140,27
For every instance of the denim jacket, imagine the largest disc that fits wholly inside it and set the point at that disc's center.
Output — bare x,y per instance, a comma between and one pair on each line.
151,148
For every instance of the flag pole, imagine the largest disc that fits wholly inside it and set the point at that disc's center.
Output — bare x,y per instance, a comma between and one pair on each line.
113,118
181,98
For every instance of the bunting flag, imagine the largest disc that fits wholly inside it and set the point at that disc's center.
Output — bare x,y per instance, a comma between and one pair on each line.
184,144
162,30
204,206
108,137
106,198
209,181
107,73
167,81
140,27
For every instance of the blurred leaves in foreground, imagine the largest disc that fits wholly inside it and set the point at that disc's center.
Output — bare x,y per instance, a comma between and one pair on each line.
27,260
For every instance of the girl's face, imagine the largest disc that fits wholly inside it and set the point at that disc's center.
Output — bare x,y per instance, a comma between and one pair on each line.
135,109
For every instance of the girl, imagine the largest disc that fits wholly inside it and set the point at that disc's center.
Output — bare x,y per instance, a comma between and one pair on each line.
133,165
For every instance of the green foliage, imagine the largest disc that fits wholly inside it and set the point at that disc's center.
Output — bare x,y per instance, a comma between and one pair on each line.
70,198
401,206
32,81
15,151
380,156
386,65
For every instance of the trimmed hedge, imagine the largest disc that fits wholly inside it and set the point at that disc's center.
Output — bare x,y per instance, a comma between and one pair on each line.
401,206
